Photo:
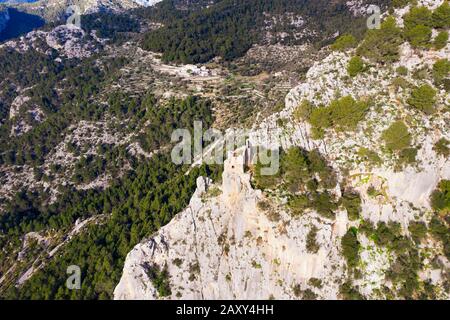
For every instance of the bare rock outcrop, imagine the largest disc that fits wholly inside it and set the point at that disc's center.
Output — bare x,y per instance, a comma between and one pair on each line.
226,245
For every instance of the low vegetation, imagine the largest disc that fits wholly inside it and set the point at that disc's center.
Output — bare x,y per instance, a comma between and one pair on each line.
311,240
382,45
160,279
442,147
355,66
423,98
342,115
344,42
397,137
350,247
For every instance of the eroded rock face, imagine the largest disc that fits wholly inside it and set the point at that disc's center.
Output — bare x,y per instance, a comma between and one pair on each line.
68,40
225,246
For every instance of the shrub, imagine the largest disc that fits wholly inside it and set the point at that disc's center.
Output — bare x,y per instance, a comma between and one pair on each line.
346,113
355,66
320,119
312,185
369,156
263,205
295,168
317,164
408,156
324,205
441,16
399,3
265,181
372,192
308,294
344,42
303,111
311,243
352,203
348,292
317,283
397,137
366,227
417,16
387,234
404,272
402,70
440,198
350,247
421,73
441,232
441,40
298,204
297,289
178,262
423,98
400,82
441,70
419,36
299,168
382,45
418,230
442,147
160,279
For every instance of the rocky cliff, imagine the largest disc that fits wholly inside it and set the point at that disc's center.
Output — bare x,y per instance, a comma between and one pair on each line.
235,242
226,246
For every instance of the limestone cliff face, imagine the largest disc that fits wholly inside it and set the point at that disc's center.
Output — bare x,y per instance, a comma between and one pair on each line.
224,246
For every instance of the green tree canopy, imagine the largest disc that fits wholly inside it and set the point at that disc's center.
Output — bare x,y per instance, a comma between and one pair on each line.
441,16
419,36
346,113
350,247
417,16
423,98
355,66
441,40
397,136
344,42
441,70
382,45
303,111
442,147
342,114
440,198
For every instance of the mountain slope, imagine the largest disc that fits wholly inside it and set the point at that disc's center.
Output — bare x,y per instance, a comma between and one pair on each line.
86,118
52,10
370,232
228,28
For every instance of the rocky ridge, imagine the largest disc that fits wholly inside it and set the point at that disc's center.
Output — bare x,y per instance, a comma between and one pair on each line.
255,257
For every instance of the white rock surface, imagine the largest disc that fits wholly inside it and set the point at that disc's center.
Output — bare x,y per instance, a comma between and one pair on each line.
240,252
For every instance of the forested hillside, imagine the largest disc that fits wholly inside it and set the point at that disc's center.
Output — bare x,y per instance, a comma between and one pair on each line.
230,27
